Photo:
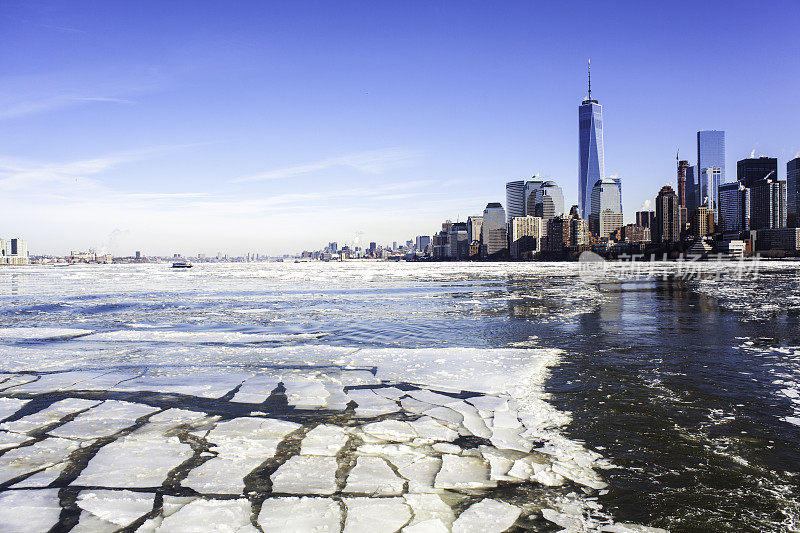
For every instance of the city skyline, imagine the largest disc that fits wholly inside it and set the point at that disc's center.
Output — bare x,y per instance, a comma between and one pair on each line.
210,137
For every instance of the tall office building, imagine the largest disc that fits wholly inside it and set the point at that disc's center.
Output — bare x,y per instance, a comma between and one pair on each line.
710,180
710,153
494,240
645,219
606,215
702,222
531,186
793,193
682,166
526,235
548,201
474,224
515,199
751,170
667,217
768,204
590,157
734,207
692,188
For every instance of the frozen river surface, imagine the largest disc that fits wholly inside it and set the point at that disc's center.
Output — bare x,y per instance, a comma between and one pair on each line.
387,397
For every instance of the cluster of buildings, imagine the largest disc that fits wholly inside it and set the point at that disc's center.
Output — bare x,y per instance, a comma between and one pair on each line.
13,252
758,212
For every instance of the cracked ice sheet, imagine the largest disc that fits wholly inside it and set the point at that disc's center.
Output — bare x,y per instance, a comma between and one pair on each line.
324,439
227,516
486,370
372,475
42,454
141,459
376,515
242,444
306,475
106,419
487,516
299,515
24,511
257,389
114,508
203,384
49,415
9,406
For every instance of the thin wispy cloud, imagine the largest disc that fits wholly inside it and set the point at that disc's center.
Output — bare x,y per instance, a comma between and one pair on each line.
371,162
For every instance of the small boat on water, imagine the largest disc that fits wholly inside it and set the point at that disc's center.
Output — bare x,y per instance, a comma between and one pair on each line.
182,264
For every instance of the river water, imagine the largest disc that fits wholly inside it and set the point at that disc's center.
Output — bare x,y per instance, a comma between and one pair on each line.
551,398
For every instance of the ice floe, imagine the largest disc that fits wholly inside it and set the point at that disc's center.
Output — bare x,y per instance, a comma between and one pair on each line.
300,515
198,516
29,511
377,515
373,476
487,516
325,439
306,474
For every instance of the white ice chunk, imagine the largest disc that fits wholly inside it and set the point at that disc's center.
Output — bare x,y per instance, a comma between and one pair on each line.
415,406
48,415
446,415
29,511
432,525
429,428
473,422
306,392
42,454
506,418
324,439
9,406
392,393
434,398
621,527
419,471
487,402
510,439
487,516
372,475
306,475
227,516
42,478
390,430
9,439
299,515
568,522
427,507
105,419
371,404
137,460
376,515
463,473
256,389
117,507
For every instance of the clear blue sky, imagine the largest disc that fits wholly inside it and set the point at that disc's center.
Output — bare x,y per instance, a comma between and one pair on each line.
277,126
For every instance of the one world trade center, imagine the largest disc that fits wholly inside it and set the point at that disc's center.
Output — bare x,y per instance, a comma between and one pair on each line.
592,165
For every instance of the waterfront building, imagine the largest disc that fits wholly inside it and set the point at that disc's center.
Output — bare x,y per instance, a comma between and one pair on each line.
702,222
682,166
734,207
422,243
666,222
558,233
606,215
645,219
474,224
778,239
633,233
515,199
591,154
526,235
14,251
494,235
710,154
754,169
578,231
692,188
548,201
768,204
710,180
457,243
531,186
793,193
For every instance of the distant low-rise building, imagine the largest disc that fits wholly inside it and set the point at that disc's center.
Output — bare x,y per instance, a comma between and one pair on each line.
778,239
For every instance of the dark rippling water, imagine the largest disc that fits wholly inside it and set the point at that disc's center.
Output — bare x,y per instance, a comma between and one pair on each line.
688,386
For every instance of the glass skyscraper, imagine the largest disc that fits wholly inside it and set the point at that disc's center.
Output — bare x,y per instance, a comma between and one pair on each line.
793,192
591,160
710,153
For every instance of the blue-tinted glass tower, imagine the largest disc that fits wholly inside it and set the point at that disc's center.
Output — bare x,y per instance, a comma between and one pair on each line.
591,161
710,154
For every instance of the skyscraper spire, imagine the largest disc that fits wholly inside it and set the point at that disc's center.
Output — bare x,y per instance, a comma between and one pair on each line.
589,65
